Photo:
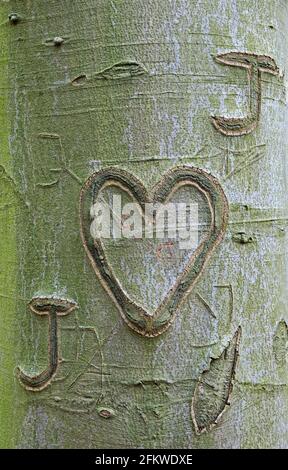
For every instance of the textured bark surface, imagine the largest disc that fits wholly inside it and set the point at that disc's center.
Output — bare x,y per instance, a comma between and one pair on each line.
88,84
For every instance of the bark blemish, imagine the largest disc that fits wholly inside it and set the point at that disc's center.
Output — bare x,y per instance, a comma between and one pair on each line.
47,135
122,70
14,18
243,238
56,41
280,343
80,80
214,388
106,413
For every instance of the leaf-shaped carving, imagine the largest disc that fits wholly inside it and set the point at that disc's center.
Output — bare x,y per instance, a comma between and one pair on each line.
214,388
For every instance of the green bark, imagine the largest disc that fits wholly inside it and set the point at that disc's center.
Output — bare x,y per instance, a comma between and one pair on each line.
134,84
8,248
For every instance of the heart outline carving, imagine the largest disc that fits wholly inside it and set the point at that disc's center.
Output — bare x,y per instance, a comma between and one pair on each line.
136,317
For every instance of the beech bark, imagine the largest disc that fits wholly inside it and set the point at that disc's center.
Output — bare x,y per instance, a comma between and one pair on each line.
143,86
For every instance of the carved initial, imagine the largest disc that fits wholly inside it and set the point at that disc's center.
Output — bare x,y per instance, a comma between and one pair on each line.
53,308
255,66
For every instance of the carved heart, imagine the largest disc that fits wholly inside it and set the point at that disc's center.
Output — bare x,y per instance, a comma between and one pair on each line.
136,316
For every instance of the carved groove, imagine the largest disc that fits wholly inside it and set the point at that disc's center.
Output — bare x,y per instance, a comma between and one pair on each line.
214,388
134,315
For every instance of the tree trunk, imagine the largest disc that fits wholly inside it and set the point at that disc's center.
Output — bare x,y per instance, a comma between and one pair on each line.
126,91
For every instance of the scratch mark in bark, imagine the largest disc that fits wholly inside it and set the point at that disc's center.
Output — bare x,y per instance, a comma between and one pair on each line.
74,176
205,303
214,388
231,294
10,195
78,387
64,167
89,363
252,157
280,343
